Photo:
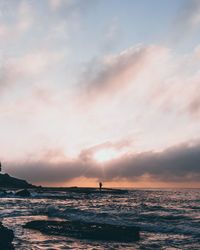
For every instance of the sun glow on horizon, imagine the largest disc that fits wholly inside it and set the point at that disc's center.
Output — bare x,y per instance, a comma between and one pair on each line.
104,155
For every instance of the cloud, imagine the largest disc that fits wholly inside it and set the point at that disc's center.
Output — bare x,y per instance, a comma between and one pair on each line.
55,4
41,51
194,105
25,18
176,164
113,73
3,30
35,62
112,35
152,76
120,147
190,17
187,21
15,70
17,18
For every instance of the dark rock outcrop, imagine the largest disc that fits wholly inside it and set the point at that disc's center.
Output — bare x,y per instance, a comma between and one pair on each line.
6,181
23,193
6,238
83,230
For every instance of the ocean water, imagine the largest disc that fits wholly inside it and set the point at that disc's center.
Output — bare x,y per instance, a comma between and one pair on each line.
168,219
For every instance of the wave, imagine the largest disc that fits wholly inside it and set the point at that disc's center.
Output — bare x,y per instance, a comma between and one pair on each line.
74,214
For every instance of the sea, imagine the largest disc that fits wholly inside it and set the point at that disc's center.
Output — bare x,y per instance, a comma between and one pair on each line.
168,218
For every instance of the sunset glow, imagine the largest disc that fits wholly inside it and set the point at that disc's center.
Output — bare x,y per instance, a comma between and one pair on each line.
105,155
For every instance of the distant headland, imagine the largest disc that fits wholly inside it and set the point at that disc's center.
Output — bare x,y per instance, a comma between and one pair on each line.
7,181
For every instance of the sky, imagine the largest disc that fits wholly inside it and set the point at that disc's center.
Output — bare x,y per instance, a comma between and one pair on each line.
97,90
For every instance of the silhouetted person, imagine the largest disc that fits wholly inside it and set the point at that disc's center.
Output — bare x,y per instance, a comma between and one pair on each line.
100,186
0,166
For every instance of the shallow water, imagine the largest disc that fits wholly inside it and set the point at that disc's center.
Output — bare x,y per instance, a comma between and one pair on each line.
169,219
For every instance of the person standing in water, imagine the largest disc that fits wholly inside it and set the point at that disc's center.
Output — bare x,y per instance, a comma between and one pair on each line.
100,186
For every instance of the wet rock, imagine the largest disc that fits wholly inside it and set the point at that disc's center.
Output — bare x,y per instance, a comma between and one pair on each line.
84,230
23,193
6,238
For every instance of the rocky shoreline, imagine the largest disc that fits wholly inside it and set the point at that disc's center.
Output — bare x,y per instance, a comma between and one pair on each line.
13,187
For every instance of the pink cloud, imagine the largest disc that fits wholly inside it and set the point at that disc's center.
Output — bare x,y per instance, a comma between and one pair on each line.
115,72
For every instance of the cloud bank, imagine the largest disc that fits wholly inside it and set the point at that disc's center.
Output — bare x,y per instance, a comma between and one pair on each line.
176,164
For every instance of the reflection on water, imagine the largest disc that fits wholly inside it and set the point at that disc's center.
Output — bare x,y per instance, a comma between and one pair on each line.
169,219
